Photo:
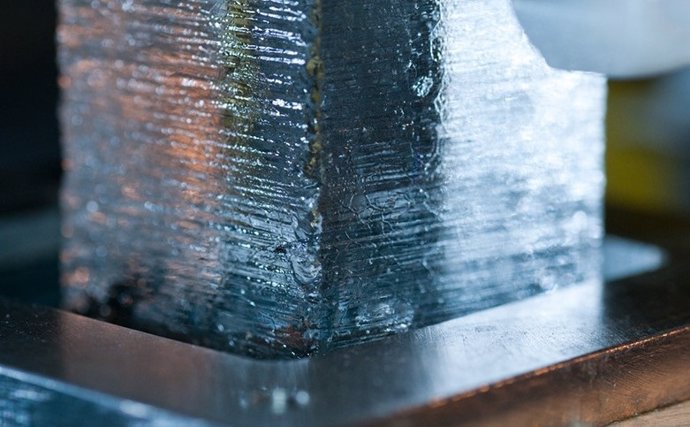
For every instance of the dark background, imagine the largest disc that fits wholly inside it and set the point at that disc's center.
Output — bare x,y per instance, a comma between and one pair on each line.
29,151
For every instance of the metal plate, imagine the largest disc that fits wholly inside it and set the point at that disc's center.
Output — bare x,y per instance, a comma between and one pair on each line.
588,353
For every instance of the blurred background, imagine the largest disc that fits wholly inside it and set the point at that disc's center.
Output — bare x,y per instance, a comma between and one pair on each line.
29,152
648,159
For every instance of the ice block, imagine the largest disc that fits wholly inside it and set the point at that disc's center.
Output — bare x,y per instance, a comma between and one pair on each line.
281,177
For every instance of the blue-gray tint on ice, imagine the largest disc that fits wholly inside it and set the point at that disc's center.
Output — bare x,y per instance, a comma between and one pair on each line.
272,177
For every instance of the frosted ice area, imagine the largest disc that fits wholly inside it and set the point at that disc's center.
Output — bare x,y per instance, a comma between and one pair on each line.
278,177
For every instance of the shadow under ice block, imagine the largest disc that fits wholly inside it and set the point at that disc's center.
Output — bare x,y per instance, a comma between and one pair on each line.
277,177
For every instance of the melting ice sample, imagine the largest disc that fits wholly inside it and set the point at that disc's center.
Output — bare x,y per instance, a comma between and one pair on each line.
274,178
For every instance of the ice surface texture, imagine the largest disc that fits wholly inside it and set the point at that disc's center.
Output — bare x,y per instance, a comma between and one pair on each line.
275,177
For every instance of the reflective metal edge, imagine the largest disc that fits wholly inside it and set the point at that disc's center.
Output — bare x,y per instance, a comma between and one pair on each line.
591,353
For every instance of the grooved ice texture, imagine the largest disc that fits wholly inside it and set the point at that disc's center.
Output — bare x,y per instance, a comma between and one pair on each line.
274,177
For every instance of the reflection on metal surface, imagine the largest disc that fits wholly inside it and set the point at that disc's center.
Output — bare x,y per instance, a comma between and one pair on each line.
274,177
624,259
564,356
28,400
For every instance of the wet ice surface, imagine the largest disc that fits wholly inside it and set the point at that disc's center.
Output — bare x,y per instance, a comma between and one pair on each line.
273,177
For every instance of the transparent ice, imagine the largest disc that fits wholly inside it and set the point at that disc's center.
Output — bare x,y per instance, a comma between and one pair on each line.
278,177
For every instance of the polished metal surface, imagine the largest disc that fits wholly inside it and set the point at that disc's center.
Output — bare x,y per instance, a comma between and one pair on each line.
452,372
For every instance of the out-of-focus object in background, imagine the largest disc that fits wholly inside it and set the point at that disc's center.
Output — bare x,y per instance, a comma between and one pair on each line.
648,144
619,38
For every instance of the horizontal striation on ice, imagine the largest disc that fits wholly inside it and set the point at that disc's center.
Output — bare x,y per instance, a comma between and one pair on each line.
274,177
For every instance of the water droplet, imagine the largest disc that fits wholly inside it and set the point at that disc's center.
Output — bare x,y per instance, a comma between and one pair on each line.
422,87
302,398
279,401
